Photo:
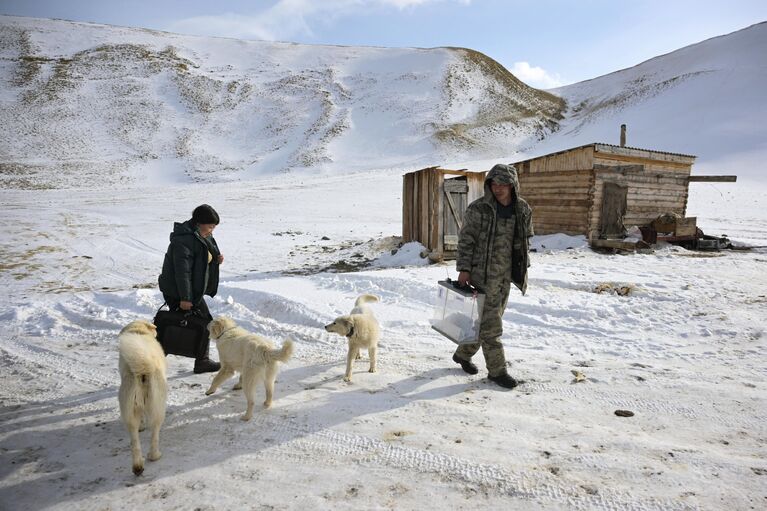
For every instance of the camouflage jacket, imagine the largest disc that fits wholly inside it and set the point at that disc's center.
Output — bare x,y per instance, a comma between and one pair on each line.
475,242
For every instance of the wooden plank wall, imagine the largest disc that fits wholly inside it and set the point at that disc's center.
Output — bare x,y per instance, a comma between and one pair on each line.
561,200
581,158
421,207
650,166
476,182
408,207
650,193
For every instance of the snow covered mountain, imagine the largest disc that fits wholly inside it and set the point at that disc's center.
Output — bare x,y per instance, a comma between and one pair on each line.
110,105
91,104
708,99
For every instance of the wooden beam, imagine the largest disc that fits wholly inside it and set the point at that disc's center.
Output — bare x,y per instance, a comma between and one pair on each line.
712,179
618,244
461,172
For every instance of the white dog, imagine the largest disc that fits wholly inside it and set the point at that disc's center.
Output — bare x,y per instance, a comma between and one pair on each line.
143,387
361,328
253,356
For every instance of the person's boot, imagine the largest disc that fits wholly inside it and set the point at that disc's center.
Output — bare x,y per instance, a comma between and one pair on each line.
205,365
504,380
467,365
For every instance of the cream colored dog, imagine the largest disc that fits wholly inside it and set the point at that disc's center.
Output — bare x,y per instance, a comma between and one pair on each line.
253,356
361,329
143,387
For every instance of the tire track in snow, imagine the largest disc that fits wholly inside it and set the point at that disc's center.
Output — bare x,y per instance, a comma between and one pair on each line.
294,442
44,363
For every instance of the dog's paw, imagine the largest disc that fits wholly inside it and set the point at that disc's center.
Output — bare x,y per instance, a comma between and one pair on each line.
154,456
372,370
347,378
138,469
209,392
237,386
246,417
267,404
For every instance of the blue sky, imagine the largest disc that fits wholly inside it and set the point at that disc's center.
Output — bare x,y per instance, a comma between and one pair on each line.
545,43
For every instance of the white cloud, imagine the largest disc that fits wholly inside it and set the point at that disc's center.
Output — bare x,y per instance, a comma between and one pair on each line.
536,76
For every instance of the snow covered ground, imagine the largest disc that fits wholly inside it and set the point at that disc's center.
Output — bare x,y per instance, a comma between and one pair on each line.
684,351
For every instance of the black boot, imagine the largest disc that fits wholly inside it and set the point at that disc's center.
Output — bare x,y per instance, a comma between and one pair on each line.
504,380
467,365
205,365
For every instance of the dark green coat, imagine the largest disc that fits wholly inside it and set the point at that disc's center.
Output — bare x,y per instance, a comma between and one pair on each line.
186,274
475,242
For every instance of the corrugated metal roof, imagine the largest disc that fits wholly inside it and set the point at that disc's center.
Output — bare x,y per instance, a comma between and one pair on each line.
595,144
648,150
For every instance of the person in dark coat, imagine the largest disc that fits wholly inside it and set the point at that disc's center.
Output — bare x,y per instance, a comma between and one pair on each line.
190,271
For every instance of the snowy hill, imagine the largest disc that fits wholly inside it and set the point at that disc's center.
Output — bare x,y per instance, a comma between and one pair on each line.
86,103
708,99
108,104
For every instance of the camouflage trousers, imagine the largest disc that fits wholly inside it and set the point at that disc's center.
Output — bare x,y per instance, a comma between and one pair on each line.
490,329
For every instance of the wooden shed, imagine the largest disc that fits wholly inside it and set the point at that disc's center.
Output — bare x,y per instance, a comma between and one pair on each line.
434,201
598,189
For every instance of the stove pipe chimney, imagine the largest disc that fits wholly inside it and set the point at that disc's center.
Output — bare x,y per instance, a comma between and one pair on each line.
623,135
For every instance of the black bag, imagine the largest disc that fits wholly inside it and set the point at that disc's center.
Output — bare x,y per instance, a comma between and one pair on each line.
182,333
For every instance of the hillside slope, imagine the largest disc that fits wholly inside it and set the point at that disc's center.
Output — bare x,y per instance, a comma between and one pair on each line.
708,99
89,103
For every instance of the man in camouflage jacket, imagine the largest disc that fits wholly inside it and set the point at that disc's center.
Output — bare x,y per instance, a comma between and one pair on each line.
492,253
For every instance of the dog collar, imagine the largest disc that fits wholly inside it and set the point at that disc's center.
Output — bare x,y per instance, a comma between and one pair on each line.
351,332
225,331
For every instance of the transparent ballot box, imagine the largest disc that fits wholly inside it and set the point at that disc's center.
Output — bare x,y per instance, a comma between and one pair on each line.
457,312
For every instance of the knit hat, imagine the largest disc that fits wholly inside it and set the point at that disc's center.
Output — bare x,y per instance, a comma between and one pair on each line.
205,214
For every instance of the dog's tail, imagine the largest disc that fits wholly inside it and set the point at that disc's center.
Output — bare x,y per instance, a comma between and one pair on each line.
280,355
366,298
138,393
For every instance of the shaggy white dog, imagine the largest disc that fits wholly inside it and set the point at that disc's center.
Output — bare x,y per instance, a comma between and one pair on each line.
143,387
253,356
361,329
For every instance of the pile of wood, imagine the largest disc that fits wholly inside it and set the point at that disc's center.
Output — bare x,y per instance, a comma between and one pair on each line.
673,225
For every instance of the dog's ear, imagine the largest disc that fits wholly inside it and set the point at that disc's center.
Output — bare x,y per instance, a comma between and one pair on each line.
347,323
219,325
214,327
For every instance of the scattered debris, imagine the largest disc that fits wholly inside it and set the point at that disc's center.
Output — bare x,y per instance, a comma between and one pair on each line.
624,413
393,435
579,376
620,290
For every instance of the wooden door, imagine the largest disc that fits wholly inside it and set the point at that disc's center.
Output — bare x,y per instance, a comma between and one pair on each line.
456,192
613,210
